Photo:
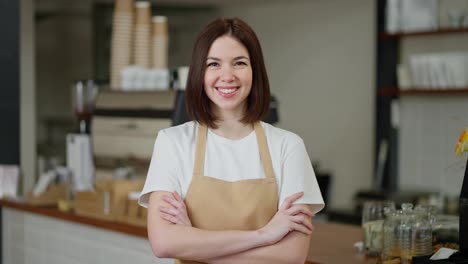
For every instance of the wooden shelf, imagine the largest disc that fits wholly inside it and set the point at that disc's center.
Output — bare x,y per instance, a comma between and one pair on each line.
441,31
394,91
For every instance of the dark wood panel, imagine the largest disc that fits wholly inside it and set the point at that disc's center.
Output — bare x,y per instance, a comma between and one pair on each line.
9,85
9,82
386,62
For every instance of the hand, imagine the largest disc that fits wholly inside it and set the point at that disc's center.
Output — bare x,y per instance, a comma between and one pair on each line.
177,213
288,218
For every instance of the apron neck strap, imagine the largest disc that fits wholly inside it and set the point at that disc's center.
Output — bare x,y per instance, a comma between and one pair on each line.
264,151
200,149
198,167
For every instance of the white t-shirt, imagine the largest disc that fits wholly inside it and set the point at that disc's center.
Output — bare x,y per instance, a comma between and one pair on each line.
171,166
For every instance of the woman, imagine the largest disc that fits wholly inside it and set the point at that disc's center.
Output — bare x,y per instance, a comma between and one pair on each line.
226,187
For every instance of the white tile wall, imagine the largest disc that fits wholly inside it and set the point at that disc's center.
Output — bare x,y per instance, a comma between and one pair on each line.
33,239
429,130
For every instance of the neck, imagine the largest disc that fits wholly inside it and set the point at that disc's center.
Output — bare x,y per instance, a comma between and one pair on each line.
232,128
229,124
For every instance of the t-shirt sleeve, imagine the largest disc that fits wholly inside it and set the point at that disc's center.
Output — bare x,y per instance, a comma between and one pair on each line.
298,176
163,172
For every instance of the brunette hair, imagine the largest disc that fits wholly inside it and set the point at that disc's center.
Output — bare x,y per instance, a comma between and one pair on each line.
197,102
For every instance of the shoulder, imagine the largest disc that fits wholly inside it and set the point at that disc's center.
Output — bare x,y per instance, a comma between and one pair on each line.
282,143
183,132
278,135
178,139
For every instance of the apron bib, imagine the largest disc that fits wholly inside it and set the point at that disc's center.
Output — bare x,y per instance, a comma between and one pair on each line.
214,204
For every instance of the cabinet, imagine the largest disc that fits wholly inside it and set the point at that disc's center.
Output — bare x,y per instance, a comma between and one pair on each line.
420,124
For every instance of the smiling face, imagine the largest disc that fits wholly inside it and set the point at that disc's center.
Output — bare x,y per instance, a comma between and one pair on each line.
228,77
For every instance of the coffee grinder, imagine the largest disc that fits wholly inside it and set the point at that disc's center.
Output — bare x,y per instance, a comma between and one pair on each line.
84,92
79,146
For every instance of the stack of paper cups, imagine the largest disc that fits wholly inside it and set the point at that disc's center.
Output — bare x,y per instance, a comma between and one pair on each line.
160,42
121,45
141,48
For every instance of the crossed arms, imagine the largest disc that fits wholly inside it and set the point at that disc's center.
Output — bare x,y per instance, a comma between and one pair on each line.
285,239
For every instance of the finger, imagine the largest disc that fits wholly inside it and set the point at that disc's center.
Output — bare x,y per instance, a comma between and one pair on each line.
170,218
180,200
177,196
170,211
171,201
183,220
291,199
176,204
302,219
301,228
294,210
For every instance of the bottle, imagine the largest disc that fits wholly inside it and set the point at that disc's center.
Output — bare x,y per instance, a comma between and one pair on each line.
390,248
422,230
404,233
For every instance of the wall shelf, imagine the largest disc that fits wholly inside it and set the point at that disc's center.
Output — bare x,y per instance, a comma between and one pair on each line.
389,53
394,91
440,31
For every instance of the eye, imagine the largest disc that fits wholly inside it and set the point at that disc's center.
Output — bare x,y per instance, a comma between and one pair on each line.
240,63
212,64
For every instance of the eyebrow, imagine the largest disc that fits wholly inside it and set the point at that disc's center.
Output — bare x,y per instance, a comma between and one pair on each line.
236,58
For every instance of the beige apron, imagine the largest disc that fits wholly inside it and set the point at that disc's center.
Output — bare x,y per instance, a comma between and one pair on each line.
214,204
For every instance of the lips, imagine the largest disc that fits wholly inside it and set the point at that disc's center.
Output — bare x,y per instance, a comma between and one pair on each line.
227,91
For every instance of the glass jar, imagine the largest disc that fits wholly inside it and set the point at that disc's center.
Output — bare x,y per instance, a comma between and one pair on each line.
372,220
390,249
430,211
422,231
406,233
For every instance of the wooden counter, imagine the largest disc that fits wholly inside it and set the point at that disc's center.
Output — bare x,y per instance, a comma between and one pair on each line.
331,243
334,243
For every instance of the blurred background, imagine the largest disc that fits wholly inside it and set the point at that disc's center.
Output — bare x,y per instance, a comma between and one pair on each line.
377,89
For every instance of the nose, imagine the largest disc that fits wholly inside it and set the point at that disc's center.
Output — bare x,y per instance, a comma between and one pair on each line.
227,74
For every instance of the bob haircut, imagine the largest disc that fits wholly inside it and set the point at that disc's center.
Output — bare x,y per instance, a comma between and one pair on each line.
197,102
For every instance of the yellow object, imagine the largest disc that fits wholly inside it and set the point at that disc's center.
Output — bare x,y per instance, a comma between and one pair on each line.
65,205
462,144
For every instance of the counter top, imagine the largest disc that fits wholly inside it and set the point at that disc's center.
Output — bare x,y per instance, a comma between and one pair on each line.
331,243
334,243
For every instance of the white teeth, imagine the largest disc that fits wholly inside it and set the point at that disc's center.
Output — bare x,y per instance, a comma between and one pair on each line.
227,91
